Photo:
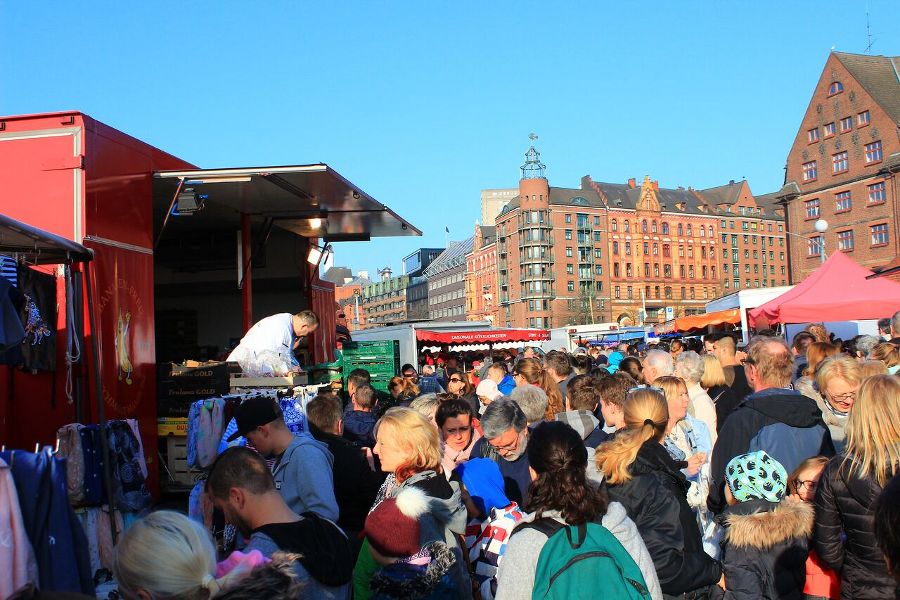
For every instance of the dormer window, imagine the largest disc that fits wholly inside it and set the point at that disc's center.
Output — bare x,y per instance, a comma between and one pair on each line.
836,87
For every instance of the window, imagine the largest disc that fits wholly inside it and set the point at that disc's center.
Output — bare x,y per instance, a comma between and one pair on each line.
812,208
596,220
616,272
655,249
745,226
683,292
665,228
863,118
569,251
646,247
845,240
879,234
570,286
656,269
680,229
840,162
596,236
667,251
690,252
628,272
693,295
656,291
627,226
568,218
846,124
877,193
724,238
703,252
842,201
873,152
681,251
713,271
691,271
568,234
570,270
690,231
598,253
667,270
702,231
681,271
731,224
829,130
644,226
810,171
653,227
598,270
836,87
614,225
615,247
704,271
734,240
812,135
814,248
628,248
668,293
617,292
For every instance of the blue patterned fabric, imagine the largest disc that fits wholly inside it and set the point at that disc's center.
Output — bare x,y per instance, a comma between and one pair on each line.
130,489
94,490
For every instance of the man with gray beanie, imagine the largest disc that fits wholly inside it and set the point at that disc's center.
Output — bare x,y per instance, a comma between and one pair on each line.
505,440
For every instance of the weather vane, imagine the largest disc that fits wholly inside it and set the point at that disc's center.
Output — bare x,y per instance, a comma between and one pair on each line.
532,136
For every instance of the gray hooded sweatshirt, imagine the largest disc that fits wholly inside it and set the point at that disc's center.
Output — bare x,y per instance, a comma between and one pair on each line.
515,578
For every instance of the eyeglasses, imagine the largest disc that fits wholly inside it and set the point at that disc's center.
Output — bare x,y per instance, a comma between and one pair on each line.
843,397
507,447
808,484
456,380
748,361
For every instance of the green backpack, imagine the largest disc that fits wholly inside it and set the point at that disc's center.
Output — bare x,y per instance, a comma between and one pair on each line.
586,561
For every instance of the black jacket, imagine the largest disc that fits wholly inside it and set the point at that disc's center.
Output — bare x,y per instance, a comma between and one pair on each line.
765,548
355,484
844,533
656,500
784,423
726,402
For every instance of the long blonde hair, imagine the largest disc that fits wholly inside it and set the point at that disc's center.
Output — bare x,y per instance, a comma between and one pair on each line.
614,458
417,436
873,429
713,374
536,374
169,556
815,354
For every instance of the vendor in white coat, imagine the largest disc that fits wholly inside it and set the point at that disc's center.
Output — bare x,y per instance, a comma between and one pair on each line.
279,333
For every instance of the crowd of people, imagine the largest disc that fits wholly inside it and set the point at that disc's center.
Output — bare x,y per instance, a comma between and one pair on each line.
685,470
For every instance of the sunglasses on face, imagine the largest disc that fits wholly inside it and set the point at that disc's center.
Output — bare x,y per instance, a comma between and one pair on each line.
456,380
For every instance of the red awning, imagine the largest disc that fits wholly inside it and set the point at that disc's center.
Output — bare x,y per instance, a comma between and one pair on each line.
483,337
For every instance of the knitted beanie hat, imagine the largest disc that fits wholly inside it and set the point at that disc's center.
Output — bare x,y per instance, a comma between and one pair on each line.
756,476
392,528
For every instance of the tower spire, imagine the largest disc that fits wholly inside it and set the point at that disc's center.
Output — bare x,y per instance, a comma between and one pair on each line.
533,167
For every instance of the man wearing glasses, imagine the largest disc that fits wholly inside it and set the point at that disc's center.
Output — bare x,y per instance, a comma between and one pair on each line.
774,418
505,441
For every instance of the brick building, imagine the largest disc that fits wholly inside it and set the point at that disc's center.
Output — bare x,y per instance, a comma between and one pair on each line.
446,278
843,164
481,275
605,251
349,297
384,302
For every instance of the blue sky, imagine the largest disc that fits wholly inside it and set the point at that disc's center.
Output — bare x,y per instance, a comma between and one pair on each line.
423,104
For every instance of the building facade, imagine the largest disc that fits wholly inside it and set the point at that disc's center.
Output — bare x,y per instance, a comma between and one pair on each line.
493,201
349,298
446,278
843,165
384,302
481,276
624,253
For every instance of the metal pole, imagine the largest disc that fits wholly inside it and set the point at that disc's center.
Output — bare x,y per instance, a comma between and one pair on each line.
247,283
822,248
101,410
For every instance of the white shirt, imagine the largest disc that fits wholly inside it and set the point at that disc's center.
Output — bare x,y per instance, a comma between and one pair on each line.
275,333
703,408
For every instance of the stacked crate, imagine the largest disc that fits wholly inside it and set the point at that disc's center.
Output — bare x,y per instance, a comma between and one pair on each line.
380,359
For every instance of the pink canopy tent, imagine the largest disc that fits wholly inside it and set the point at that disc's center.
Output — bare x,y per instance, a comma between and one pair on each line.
836,291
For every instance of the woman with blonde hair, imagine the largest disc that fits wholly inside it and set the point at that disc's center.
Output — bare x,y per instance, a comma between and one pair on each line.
851,482
409,448
837,379
643,478
867,368
529,371
713,381
402,390
815,354
888,354
167,555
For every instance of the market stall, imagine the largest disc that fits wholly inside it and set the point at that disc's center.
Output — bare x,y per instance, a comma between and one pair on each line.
699,322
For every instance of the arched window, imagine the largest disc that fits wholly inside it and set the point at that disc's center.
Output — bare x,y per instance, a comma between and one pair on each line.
665,228
702,231
668,293
692,294
683,293
680,229
836,87
656,291
709,231
653,227
627,226
614,225
644,226
690,231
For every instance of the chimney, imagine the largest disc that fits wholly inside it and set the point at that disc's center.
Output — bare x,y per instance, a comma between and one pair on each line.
656,185
632,183
731,182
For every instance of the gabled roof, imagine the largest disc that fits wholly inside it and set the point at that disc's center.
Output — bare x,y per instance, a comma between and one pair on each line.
453,256
879,76
574,197
723,194
626,197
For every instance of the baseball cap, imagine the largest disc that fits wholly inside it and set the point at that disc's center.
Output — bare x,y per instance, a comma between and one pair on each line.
253,413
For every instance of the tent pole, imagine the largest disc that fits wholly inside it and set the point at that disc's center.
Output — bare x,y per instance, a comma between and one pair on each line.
101,410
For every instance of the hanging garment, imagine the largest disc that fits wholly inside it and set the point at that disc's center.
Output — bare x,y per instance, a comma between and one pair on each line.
17,562
294,417
39,320
12,332
136,430
94,489
69,440
60,546
129,483
8,269
87,516
104,535
208,428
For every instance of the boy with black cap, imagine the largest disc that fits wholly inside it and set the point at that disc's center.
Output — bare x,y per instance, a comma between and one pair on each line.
303,465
